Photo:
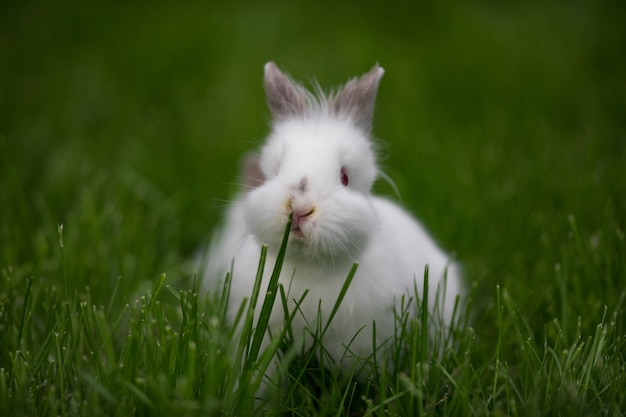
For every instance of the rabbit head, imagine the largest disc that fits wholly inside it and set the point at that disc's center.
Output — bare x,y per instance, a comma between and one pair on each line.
317,163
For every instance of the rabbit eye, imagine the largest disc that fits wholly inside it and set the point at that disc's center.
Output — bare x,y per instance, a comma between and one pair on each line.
344,177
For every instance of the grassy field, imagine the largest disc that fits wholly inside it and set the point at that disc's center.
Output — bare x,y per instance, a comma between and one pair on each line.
121,128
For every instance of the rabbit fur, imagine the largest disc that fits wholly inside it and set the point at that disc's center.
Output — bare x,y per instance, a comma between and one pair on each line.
319,164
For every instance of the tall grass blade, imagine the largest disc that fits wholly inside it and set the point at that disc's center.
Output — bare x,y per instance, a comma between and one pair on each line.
270,297
340,297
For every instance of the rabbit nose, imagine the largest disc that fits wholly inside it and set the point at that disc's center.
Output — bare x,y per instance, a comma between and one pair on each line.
301,212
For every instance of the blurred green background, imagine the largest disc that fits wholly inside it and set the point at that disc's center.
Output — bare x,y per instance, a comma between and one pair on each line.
125,121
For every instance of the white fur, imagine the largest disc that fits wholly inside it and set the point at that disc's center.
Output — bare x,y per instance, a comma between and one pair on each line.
347,225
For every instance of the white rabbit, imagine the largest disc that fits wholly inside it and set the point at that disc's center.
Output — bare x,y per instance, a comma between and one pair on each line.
319,164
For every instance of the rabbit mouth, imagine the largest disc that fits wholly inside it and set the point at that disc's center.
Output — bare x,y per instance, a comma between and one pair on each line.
301,217
298,232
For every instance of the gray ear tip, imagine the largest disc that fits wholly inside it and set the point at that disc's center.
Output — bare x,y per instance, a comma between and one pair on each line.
378,70
270,68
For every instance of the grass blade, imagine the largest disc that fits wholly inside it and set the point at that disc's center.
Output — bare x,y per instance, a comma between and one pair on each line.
340,297
270,297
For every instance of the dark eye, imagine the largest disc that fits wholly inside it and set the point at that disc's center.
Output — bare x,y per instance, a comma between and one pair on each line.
344,177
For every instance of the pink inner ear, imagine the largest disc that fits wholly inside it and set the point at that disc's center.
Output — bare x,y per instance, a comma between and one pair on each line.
251,171
344,177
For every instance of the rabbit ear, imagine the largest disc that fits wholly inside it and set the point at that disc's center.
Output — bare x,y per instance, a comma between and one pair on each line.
284,97
357,98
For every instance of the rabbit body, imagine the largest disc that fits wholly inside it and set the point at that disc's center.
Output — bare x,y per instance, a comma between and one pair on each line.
318,164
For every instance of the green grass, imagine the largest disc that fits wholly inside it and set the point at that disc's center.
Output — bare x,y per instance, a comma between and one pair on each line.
120,132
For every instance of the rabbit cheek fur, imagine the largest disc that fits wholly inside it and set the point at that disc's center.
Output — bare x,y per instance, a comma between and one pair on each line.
318,163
